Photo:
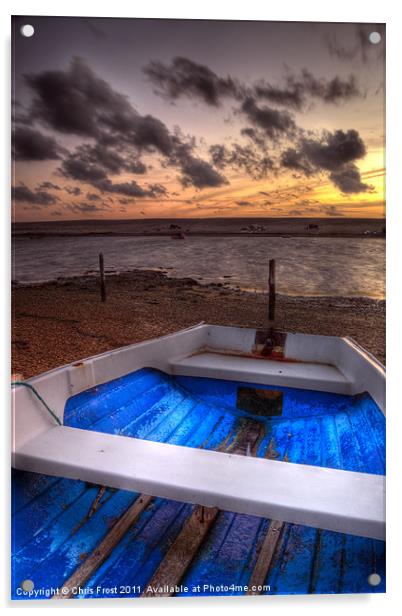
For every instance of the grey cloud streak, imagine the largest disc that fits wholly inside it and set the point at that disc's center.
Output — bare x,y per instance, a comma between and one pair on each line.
31,145
37,197
334,152
78,102
187,78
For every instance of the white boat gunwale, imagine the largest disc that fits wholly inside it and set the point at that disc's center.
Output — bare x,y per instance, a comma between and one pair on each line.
347,504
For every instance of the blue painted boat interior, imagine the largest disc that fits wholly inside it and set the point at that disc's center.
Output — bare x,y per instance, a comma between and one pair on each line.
56,526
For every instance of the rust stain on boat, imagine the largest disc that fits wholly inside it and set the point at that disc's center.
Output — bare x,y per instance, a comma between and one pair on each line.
271,453
93,508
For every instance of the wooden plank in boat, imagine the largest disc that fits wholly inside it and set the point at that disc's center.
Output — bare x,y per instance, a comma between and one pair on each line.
184,549
265,558
105,548
181,553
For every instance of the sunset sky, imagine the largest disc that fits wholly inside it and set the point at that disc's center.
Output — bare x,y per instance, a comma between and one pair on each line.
125,118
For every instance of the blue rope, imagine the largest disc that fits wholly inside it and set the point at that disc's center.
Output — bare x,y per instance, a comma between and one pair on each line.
29,386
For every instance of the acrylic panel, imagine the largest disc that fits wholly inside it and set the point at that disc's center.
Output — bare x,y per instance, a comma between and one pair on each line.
172,173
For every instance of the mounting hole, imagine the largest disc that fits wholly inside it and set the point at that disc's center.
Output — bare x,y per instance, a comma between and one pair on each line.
374,579
27,585
375,38
27,30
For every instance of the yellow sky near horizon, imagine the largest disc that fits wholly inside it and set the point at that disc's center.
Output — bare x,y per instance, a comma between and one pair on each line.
243,197
298,53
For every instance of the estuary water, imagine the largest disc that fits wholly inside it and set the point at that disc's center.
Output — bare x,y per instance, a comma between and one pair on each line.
307,266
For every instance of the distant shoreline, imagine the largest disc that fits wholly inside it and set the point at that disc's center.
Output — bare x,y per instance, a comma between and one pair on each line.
205,227
42,235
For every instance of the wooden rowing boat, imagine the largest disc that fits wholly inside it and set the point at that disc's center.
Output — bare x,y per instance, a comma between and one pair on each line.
202,459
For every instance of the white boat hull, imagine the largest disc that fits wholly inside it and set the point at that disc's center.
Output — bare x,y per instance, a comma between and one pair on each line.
331,499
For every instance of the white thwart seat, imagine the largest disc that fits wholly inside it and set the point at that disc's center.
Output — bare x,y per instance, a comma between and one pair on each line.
325,498
297,493
320,377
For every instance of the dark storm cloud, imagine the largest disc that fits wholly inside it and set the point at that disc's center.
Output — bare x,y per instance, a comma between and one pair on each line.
93,197
256,137
333,91
361,48
195,171
241,157
334,152
307,203
149,133
131,189
272,122
288,96
78,102
26,195
219,155
339,51
73,190
106,158
91,165
199,173
334,149
78,166
85,208
19,114
330,210
299,90
348,180
184,77
48,186
293,159
30,145
187,78
135,166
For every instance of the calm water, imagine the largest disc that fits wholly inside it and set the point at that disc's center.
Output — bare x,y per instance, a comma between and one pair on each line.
305,266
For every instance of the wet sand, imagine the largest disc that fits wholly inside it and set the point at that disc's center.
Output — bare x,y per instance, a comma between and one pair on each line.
60,322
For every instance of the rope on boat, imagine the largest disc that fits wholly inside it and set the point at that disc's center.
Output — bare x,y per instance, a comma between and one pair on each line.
37,394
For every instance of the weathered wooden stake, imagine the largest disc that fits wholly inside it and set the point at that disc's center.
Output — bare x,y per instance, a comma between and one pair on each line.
271,290
102,277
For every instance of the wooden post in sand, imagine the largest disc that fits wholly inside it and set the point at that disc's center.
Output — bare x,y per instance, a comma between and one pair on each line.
102,277
271,291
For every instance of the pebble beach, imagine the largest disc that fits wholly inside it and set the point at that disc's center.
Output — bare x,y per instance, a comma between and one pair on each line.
58,322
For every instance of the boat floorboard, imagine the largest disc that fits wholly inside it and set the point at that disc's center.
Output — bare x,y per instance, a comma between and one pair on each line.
58,523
